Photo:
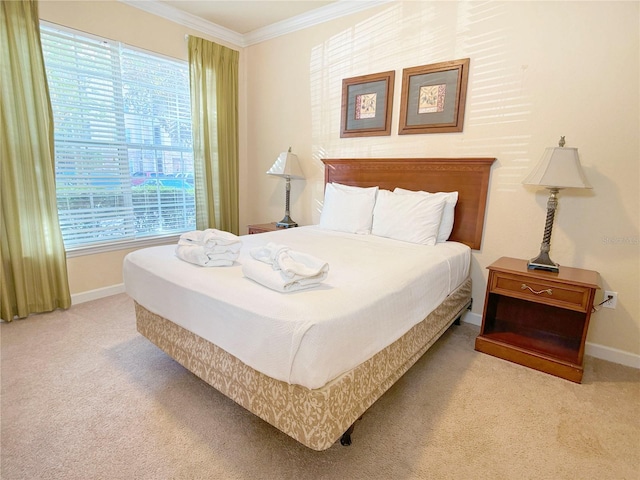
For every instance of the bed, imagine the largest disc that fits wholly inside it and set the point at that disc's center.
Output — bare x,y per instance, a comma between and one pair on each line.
311,362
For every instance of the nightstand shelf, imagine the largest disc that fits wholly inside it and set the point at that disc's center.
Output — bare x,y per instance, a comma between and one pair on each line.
537,343
536,318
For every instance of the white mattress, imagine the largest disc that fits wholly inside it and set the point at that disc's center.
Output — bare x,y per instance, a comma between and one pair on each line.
376,290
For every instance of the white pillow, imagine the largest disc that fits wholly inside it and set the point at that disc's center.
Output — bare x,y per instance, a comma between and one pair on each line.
348,209
448,214
411,218
360,190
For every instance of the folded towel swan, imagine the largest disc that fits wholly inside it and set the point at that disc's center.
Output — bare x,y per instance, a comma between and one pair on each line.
209,238
209,248
283,269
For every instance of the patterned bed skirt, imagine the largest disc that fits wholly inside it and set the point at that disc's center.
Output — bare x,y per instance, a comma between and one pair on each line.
316,418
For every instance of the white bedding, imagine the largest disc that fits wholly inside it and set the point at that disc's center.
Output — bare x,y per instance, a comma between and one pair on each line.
376,290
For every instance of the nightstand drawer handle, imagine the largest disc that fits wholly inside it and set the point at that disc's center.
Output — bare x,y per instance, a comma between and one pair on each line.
527,287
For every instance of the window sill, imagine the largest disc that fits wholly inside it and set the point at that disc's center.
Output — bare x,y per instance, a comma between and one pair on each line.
125,245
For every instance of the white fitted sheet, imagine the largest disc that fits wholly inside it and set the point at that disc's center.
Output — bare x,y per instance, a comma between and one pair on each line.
376,290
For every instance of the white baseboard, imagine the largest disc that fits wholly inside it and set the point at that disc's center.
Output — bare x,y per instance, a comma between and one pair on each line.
96,294
472,318
593,349
612,355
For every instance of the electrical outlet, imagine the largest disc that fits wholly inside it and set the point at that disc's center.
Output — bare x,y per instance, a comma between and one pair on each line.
613,299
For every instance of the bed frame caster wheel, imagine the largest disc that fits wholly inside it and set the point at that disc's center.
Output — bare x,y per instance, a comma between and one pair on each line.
345,440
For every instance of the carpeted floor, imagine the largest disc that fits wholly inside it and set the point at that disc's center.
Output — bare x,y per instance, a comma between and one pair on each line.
84,396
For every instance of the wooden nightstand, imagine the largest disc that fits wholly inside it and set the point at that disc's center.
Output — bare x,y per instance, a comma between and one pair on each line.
537,318
262,227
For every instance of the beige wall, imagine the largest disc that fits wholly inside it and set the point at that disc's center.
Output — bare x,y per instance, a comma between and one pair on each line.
538,70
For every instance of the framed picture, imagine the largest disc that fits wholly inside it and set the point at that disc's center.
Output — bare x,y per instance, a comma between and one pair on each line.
433,97
366,105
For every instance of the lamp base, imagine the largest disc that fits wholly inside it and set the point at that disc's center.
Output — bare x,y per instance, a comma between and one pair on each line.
286,222
543,262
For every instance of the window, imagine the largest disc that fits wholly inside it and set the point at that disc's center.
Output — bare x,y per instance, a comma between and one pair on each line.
123,148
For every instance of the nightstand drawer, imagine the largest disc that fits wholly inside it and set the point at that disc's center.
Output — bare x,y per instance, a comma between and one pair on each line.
262,228
574,297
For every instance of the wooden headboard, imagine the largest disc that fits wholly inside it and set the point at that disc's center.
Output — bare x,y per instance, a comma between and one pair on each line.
468,176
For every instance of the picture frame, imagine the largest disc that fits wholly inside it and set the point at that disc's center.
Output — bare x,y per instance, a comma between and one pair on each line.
367,103
433,97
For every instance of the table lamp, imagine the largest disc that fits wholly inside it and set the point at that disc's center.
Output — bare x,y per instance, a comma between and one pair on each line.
558,168
287,166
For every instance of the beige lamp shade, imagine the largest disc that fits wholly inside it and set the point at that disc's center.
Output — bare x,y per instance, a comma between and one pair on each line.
287,165
558,168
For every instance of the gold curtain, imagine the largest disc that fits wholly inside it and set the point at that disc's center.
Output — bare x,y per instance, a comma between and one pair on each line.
213,73
33,270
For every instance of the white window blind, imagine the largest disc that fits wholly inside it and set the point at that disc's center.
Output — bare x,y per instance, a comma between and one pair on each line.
123,148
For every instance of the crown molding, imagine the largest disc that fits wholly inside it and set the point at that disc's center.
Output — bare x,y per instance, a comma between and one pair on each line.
183,18
320,15
338,9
